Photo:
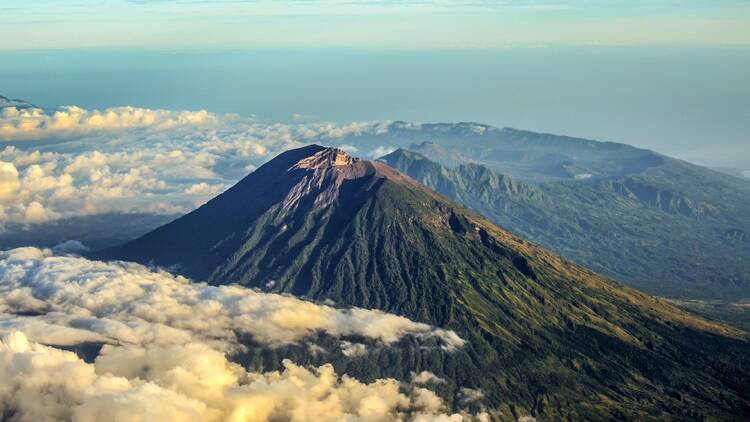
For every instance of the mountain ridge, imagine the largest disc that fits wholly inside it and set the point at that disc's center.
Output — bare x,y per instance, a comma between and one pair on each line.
15,102
652,235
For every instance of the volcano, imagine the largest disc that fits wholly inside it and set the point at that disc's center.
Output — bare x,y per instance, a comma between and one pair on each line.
544,336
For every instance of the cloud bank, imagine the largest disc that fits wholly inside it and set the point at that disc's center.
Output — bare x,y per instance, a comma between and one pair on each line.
165,347
127,160
192,383
127,303
30,123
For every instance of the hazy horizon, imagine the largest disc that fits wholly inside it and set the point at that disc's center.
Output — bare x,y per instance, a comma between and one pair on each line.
689,102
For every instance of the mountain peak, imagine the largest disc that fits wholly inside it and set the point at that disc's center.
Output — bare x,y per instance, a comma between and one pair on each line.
326,158
317,223
335,165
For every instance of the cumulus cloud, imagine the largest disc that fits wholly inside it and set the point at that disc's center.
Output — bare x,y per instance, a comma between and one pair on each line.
426,377
202,188
190,383
165,350
350,349
351,149
126,303
128,159
71,247
381,151
33,123
9,182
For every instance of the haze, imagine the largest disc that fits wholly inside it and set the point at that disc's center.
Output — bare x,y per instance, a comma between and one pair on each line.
674,79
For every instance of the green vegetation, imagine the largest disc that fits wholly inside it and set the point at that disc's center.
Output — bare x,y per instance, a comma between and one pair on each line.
675,229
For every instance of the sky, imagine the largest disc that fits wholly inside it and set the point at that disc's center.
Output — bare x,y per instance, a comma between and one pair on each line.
371,24
667,75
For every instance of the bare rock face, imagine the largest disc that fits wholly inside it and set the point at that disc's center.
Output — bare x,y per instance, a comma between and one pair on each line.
322,175
326,158
325,171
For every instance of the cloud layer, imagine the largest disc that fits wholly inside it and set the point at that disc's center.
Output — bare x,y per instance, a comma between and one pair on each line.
165,347
191,383
126,303
128,159
31,123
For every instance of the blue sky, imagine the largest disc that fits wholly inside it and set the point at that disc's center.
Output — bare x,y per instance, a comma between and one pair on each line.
194,24
669,75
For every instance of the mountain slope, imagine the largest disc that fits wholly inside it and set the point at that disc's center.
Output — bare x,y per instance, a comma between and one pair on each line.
543,335
664,237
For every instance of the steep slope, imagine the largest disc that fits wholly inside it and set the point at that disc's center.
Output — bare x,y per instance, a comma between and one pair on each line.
544,336
667,238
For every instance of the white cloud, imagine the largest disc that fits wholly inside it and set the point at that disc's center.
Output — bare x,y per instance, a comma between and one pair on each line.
203,188
165,349
9,182
70,247
126,303
35,212
128,159
333,131
190,383
381,151
34,123
350,349
426,377
351,149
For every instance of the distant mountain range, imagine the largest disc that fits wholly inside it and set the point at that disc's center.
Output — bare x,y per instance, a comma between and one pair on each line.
517,153
742,174
545,336
674,229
